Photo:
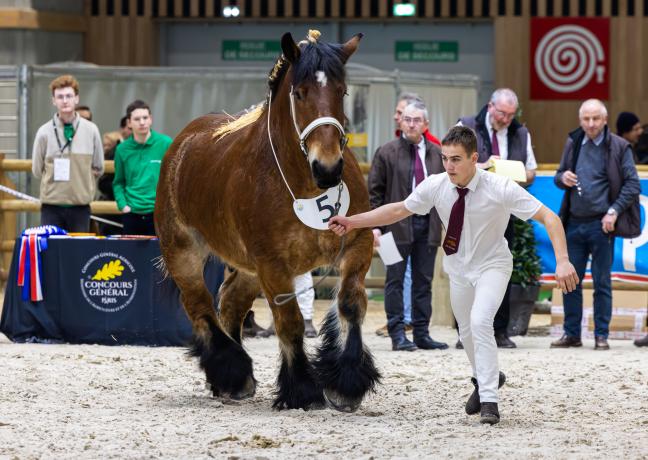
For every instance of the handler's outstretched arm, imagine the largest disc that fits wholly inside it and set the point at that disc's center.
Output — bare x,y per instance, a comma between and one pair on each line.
566,276
384,215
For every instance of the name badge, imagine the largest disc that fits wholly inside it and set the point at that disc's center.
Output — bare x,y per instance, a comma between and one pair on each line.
62,169
316,212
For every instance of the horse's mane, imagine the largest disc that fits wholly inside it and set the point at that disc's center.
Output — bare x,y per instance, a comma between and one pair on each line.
249,117
314,56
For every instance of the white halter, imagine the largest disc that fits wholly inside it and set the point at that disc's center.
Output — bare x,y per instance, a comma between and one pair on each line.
321,121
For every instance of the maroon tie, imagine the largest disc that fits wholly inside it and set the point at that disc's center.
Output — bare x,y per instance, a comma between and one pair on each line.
453,235
494,144
419,174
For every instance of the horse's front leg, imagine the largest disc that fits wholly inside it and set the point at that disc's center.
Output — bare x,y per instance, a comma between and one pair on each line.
344,365
297,387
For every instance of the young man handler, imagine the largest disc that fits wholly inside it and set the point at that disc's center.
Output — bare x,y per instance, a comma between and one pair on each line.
474,206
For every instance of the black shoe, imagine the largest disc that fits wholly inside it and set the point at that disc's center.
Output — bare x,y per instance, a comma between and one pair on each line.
403,344
503,341
250,326
265,333
601,343
427,343
489,413
567,341
643,342
473,404
309,330
459,345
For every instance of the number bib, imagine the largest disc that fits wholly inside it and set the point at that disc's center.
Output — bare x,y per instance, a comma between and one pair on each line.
316,212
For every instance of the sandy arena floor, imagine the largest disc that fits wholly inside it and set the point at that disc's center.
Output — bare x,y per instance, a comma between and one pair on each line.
69,401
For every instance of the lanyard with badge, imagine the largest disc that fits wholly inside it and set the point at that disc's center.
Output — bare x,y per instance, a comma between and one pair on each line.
62,165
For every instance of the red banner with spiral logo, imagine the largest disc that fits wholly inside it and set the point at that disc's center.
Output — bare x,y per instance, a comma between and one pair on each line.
570,58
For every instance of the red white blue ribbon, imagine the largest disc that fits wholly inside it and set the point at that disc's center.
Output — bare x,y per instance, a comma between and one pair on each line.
30,276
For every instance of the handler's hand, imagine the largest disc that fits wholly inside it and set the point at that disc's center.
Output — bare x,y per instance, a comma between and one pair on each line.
569,179
566,276
340,225
376,233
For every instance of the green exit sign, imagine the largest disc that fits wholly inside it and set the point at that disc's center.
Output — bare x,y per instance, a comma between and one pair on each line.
404,9
251,50
427,51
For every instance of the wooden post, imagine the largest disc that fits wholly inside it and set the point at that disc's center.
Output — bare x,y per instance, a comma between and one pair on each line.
7,224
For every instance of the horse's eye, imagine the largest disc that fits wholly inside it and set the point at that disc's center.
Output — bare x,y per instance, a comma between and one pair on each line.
300,94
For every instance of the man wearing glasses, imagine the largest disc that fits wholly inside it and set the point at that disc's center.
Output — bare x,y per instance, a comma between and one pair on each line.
500,135
67,158
397,168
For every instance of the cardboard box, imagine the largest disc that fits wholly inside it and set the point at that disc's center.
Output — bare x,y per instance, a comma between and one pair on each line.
629,313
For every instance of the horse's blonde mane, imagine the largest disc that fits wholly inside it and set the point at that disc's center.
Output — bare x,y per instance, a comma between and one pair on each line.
235,124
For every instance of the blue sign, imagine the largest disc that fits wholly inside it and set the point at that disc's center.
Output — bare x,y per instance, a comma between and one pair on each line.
630,255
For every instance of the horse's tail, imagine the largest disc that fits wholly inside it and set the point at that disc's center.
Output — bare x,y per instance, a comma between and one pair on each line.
161,266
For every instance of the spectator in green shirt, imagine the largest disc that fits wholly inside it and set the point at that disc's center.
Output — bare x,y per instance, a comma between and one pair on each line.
137,170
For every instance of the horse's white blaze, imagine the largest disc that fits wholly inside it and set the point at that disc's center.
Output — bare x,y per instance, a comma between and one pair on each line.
321,78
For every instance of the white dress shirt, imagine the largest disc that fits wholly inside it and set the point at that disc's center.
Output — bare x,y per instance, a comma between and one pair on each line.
489,204
502,142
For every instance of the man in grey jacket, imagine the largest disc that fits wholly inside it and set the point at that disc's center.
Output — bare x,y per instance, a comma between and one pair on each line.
601,201
397,168
67,157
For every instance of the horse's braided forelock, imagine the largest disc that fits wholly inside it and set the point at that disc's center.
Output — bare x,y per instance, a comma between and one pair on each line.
315,56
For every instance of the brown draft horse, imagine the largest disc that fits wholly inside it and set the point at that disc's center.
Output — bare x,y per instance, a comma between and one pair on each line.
221,192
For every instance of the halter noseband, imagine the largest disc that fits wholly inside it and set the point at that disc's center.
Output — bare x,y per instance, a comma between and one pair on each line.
321,121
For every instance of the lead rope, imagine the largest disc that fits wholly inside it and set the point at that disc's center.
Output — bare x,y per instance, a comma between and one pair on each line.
281,299
273,149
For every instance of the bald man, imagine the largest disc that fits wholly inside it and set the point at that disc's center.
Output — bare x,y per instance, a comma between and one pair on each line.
601,201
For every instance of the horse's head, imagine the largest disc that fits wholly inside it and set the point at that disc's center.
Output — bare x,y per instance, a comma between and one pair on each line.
317,88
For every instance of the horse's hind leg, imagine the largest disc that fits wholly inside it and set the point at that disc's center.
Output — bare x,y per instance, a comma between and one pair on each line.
236,295
345,367
227,366
297,387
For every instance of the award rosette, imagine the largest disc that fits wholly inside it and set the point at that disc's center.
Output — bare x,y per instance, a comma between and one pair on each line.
32,241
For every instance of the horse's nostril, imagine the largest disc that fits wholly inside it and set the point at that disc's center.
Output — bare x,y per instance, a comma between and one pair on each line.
327,177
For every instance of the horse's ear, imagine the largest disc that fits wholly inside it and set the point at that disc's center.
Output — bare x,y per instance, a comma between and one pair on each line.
351,46
290,50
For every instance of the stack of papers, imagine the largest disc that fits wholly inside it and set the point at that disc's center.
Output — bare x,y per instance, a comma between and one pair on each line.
509,168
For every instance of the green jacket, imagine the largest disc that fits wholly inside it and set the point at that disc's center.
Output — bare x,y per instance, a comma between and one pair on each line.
137,171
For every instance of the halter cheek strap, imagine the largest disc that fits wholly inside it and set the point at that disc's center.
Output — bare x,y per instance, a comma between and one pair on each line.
321,121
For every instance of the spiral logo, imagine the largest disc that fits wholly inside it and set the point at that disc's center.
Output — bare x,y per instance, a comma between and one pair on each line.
568,57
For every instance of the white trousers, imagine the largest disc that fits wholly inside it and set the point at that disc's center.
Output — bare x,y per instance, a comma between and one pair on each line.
305,299
474,303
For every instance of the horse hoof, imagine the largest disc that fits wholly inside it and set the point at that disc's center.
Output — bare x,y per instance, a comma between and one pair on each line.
248,390
316,405
340,403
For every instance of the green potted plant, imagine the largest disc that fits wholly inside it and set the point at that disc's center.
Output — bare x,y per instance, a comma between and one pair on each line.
525,284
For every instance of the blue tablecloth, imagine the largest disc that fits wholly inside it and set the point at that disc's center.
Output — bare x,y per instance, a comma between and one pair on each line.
101,291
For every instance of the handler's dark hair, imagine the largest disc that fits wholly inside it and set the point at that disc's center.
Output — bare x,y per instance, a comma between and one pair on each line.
463,136
136,104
